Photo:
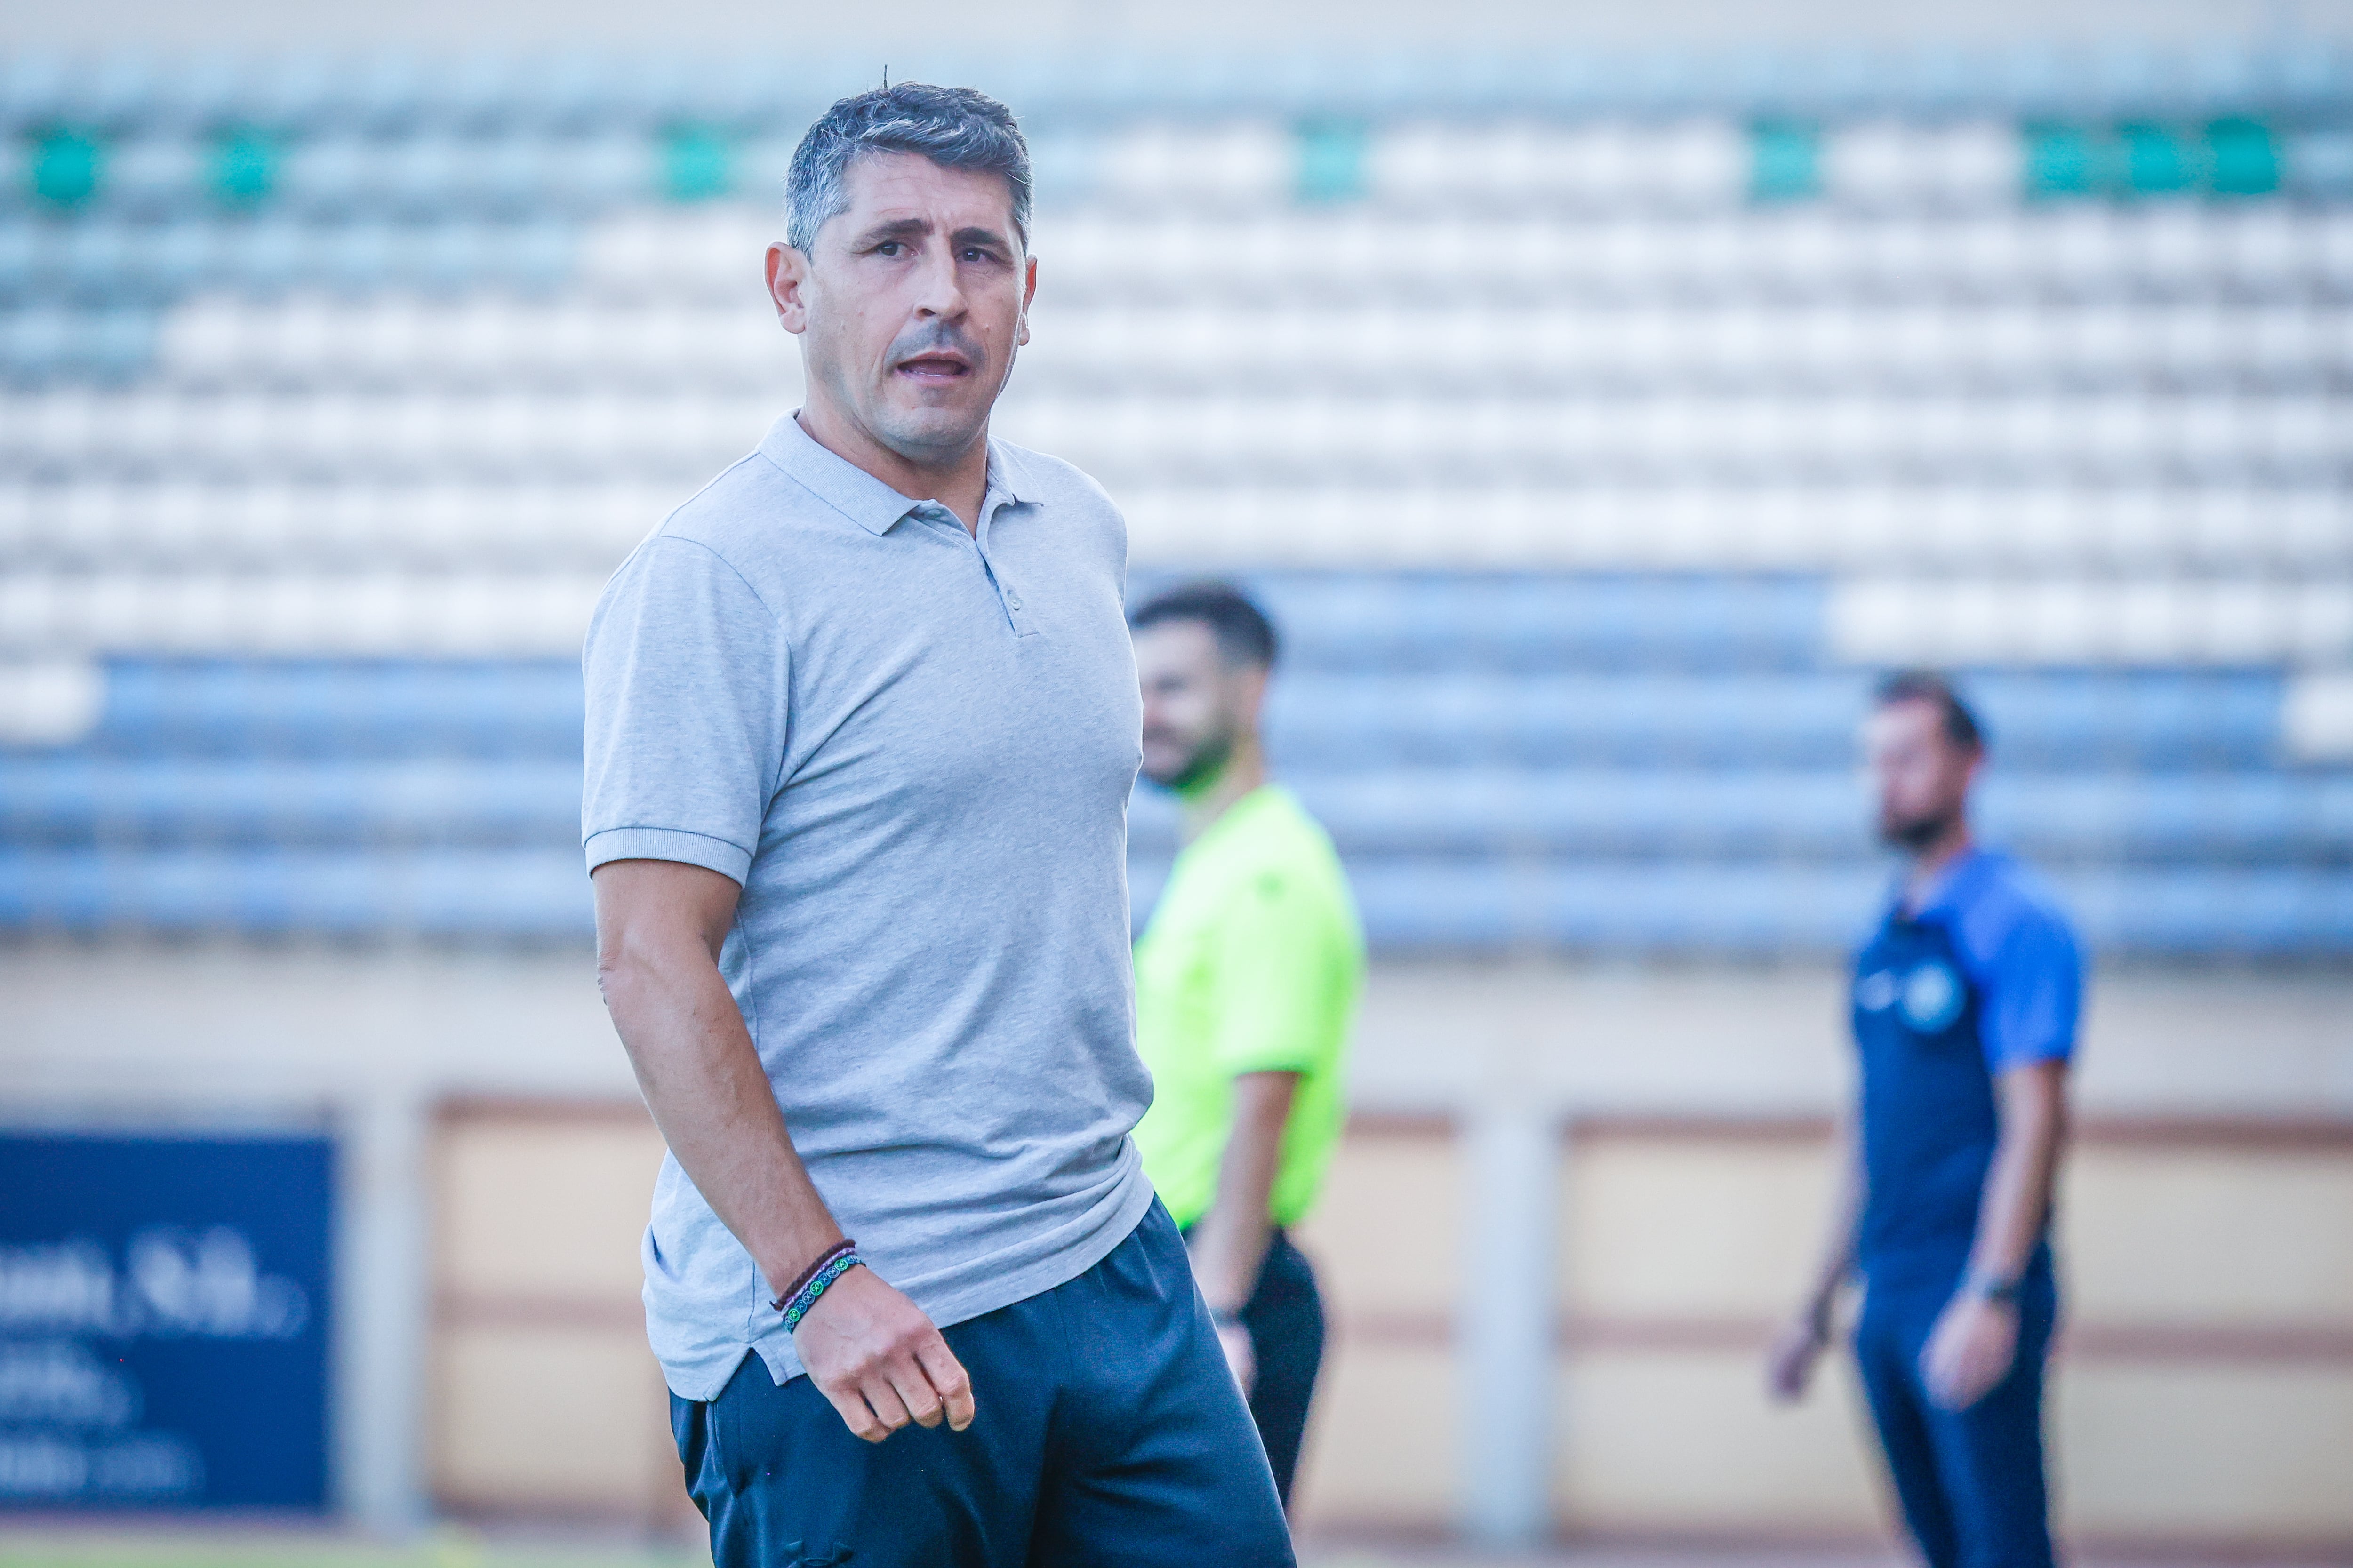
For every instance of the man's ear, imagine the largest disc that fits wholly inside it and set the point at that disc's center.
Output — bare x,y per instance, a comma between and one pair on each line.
1029,292
788,275
1250,691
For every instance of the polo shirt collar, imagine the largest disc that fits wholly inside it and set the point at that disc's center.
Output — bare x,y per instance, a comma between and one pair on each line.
1950,889
856,494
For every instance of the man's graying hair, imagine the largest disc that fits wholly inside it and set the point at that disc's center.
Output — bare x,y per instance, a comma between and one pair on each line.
955,127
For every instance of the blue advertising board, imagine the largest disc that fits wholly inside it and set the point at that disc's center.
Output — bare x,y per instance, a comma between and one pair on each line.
164,1321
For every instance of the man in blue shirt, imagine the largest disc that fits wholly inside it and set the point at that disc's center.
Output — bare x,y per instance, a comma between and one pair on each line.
1963,1008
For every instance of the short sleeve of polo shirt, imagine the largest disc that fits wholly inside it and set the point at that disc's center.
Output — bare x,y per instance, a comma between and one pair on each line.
1271,1005
687,678
2033,983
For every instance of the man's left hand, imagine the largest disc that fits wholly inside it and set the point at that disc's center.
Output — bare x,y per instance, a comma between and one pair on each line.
1242,1354
1970,1350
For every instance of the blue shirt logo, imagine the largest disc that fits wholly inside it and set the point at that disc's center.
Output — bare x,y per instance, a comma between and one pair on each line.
1933,997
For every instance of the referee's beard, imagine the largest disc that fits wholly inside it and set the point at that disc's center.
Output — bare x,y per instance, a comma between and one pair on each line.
1202,764
1915,835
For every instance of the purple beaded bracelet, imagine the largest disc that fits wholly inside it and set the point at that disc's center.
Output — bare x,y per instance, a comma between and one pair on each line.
831,1265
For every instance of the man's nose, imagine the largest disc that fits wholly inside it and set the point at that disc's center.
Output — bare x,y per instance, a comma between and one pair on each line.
939,289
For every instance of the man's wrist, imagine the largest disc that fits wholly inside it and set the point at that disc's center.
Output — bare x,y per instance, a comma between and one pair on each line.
1993,1287
788,1272
810,1288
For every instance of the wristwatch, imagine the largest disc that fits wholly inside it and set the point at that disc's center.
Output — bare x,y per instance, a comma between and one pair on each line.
1986,1287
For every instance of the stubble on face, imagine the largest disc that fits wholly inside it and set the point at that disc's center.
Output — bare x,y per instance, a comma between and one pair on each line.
1921,776
1203,757
1190,723
1917,831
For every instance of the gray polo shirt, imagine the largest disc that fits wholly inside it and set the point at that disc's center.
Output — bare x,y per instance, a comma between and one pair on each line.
914,747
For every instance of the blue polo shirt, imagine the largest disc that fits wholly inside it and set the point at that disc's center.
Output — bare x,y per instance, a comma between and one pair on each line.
2019,948
1983,977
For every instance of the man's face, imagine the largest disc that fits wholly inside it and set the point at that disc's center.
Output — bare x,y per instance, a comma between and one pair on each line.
1195,705
913,304
1919,778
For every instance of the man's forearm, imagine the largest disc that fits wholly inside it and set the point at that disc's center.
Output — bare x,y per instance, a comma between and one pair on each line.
1836,1260
701,1078
1231,1242
2017,1196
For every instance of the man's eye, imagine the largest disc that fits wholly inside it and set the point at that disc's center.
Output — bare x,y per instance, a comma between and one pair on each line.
888,247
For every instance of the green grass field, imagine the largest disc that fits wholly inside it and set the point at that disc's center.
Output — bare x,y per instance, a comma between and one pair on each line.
443,1548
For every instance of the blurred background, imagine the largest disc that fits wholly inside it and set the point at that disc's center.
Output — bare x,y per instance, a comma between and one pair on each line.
1598,398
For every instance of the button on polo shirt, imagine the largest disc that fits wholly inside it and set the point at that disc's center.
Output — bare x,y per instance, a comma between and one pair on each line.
911,744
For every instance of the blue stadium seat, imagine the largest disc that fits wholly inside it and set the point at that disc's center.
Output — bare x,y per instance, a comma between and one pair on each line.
100,259
44,343
526,895
35,90
421,178
19,262
81,798
1440,905
1590,811
1320,717
390,707
265,257
200,94
33,346
2274,913
2131,719
1325,720
385,93
1527,621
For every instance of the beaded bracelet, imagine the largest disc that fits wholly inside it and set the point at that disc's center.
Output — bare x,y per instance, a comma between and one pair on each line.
832,1264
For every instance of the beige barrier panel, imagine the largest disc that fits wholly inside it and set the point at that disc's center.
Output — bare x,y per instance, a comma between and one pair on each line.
2159,1226
539,1210
1385,1235
1672,1441
546,1399
2204,1391
1383,1444
1667,1223
2244,1454
2258,1235
547,1420
545,1206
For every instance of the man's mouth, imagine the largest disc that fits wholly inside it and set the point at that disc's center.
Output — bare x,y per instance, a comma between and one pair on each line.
934,367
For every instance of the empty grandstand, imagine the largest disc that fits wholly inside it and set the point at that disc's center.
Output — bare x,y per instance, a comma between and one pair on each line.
1595,424
1597,421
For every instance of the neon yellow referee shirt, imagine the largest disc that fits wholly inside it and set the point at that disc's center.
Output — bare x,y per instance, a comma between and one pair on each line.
1252,963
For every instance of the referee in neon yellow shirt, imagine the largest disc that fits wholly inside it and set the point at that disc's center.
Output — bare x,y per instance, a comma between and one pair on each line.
1246,982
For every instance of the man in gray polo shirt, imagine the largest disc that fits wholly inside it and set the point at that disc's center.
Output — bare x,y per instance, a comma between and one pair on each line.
863,725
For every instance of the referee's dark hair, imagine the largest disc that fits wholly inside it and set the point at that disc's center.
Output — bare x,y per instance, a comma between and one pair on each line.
1935,688
1244,633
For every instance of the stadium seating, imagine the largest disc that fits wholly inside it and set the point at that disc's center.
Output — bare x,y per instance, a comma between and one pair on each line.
1594,427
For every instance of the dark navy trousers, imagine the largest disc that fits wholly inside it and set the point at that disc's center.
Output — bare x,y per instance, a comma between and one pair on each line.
1108,1433
1970,1481
1286,1319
